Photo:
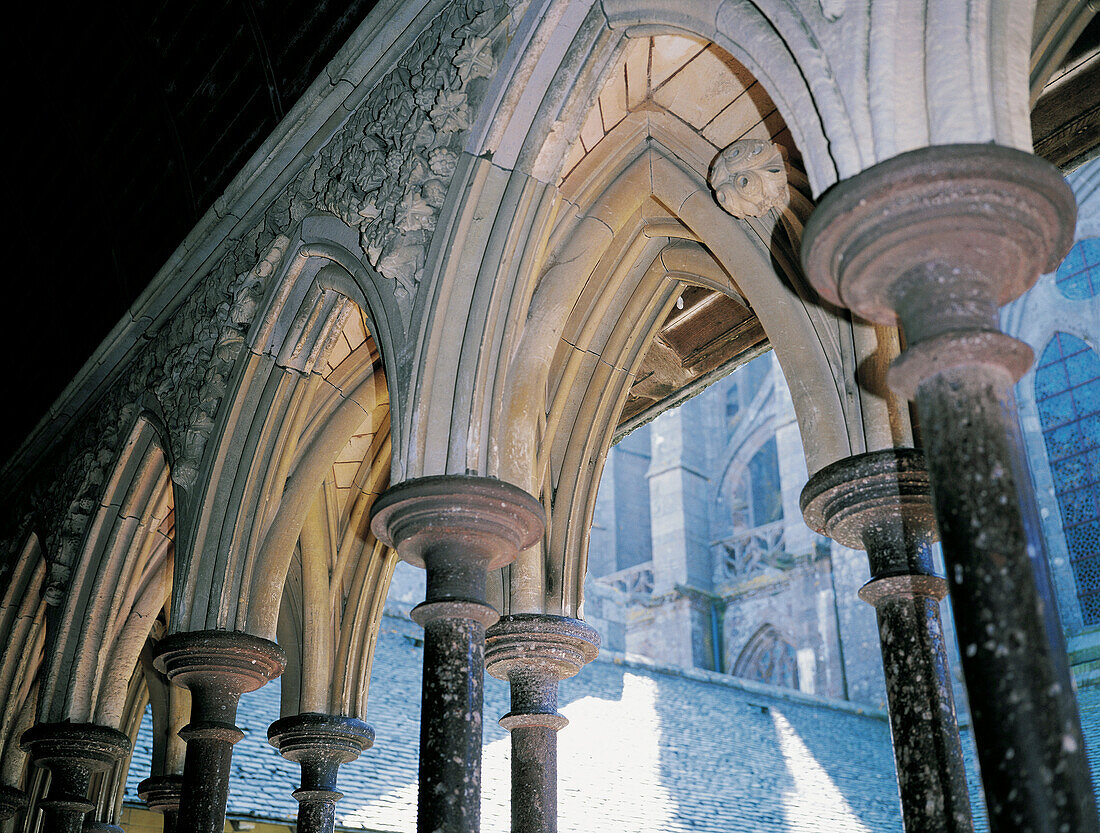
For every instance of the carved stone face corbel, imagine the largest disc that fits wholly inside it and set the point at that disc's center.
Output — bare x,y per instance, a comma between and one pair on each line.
750,178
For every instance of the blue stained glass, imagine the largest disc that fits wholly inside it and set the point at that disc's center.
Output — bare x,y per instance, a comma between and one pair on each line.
1090,428
1069,473
1079,275
1088,395
1078,506
1087,572
1067,394
1090,608
1081,367
1078,537
1062,442
1057,410
1049,380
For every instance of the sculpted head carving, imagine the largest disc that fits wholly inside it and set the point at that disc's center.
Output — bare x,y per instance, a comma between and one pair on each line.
750,178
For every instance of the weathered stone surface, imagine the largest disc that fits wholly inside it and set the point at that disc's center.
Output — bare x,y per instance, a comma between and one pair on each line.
457,528
533,652
936,239
72,752
880,502
162,794
217,667
750,178
320,743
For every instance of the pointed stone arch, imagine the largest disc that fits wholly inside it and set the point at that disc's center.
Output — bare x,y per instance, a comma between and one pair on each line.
768,657
288,415
119,586
23,636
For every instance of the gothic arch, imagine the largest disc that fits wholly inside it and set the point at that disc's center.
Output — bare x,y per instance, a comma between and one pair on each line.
768,657
630,226
288,416
119,586
23,636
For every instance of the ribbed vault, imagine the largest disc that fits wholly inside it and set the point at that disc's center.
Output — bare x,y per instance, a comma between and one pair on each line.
644,290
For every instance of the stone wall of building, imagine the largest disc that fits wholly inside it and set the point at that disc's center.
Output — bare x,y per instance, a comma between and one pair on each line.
731,560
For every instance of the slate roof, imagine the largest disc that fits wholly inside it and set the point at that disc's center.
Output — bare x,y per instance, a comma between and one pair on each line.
649,749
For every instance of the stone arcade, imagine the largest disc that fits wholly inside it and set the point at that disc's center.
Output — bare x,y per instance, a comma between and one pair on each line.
506,233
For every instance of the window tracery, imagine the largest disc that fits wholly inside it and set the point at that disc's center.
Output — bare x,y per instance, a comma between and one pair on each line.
1078,277
768,658
1067,394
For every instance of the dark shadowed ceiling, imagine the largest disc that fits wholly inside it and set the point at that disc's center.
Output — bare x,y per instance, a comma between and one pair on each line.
130,118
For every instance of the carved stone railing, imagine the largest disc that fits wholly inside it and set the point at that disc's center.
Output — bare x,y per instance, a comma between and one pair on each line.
636,579
748,551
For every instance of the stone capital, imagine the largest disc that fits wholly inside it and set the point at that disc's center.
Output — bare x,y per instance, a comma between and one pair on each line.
539,643
992,213
12,800
89,746
218,663
533,652
851,499
313,736
161,793
479,520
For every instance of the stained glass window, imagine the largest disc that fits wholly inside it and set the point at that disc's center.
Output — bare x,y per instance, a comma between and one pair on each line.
1067,392
1079,275
768,658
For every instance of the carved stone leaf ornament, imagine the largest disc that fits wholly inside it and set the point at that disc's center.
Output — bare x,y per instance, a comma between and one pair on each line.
385,173
750,178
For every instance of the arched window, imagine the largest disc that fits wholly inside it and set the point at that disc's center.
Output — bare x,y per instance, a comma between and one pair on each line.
733,405
766,496
1078,276
768,658
1067,393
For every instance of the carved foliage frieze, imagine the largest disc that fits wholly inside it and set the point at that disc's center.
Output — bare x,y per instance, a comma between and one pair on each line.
385,173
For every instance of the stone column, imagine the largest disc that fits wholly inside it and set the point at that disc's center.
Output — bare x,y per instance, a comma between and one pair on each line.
880,502
12,800
72,752
162,795
217,667
457,528
320,743
533,651
936,239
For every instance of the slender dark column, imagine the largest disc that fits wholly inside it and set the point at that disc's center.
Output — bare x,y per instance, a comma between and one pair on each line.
936,239
217,667
457,528
72,752
162,794
880,502
533,652
12,800
320,743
